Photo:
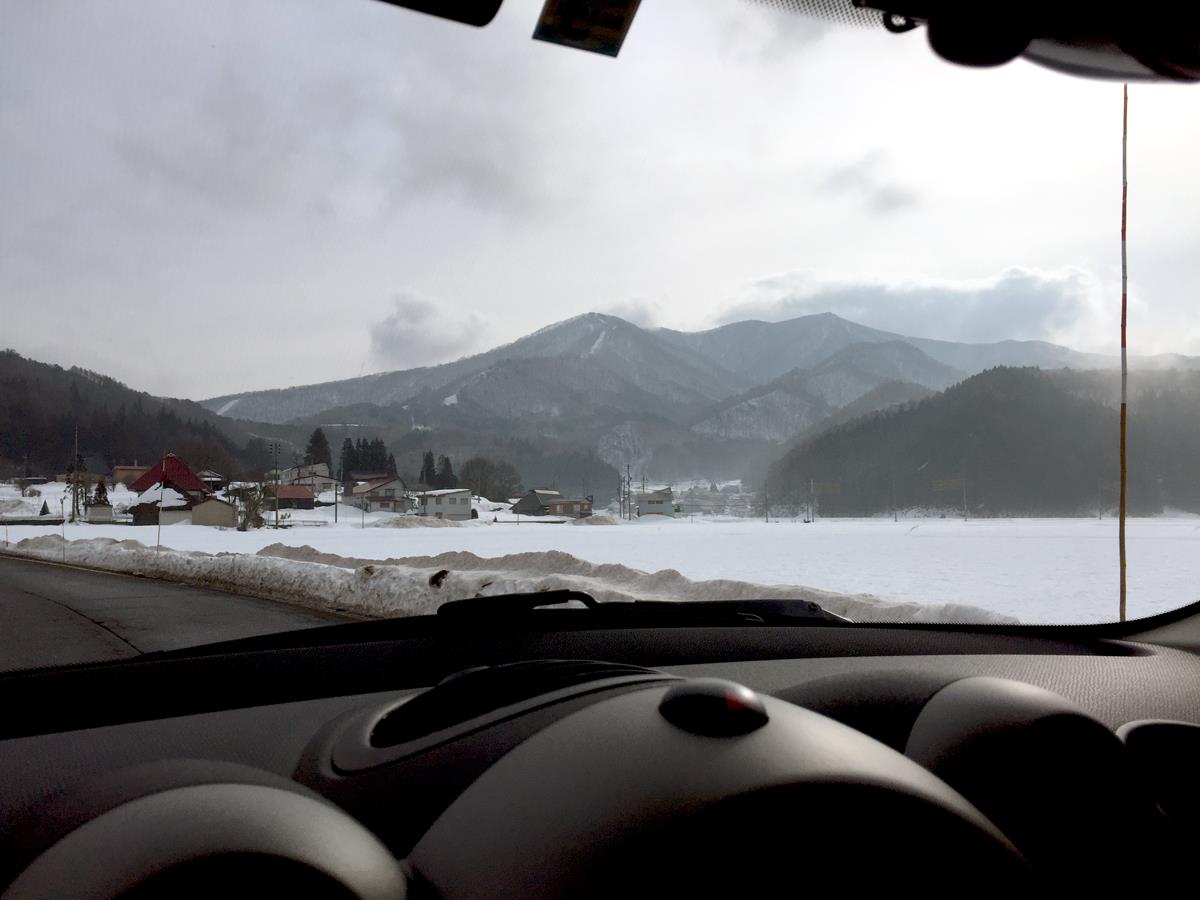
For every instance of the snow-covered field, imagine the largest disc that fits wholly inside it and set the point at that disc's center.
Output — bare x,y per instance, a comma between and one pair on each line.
1036,570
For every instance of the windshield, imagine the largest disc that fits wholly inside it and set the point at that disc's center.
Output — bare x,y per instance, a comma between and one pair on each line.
326,311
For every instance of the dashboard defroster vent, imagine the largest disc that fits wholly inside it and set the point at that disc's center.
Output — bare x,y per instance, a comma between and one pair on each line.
476,692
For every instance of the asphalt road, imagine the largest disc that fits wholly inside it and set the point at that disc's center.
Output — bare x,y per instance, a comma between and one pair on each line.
54,615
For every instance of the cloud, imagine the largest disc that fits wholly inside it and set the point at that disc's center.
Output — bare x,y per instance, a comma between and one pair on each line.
755,33
421,331
1068,305
865,181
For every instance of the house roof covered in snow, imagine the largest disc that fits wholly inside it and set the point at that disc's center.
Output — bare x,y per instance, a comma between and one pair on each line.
171,470
369,487
171,498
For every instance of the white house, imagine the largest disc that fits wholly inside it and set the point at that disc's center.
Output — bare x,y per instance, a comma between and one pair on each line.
447,503
656,503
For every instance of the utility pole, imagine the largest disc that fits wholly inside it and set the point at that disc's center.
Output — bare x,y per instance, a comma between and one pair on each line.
275,449
161,490
76,479
964,487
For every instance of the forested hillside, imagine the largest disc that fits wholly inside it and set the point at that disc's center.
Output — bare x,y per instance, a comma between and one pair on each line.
1014,442
41,405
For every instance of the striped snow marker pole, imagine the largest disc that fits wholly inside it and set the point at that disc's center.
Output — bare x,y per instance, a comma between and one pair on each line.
1124,357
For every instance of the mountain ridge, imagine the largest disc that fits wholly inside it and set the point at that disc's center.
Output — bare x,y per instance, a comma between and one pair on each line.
688,369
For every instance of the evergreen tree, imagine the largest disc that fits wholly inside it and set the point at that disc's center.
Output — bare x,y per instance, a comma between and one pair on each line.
100,497
391,465
445,477
378,455
318,450
349,459
428,470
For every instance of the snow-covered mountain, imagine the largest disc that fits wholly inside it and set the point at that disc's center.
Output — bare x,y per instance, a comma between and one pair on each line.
603,343
672,373
799,399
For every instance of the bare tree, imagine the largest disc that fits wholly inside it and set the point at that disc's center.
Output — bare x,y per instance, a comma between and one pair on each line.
253,498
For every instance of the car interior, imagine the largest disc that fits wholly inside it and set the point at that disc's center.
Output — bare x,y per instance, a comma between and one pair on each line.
551,746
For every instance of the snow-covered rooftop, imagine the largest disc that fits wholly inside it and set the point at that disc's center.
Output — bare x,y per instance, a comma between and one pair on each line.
170,498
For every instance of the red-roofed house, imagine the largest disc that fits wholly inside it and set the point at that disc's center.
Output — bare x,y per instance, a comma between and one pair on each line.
171,472
291,496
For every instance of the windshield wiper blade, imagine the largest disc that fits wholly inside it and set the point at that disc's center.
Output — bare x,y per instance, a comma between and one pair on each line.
769,612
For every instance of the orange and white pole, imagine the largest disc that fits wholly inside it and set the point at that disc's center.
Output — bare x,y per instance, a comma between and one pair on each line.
1124,352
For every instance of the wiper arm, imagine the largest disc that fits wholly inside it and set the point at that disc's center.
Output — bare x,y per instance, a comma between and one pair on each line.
768,612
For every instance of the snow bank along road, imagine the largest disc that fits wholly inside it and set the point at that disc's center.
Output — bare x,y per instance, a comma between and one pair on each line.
1034,570
54,615
418,585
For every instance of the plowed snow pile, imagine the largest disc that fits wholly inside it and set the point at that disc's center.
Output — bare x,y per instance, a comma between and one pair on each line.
413,522
417,585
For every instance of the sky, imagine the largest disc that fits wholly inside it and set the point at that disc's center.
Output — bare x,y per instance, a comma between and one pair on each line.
204,198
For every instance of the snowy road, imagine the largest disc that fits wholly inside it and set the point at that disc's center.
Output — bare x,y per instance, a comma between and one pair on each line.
54,615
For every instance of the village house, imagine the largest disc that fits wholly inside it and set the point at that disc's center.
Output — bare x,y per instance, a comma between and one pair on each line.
573,507
171,472
214,481
315,477
127,475
166,493
317,483
358,476
536,502
161,506
382,494
292,474
656,503
447,503
289,496
215,511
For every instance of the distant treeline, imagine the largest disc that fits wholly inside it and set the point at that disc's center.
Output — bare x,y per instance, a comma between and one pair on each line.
1016,441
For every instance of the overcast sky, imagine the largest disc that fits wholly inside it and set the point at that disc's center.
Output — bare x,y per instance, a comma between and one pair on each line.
201,198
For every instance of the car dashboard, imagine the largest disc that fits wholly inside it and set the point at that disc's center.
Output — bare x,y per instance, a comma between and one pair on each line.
590,761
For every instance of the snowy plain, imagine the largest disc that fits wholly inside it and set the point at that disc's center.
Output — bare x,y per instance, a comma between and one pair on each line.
1033,570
